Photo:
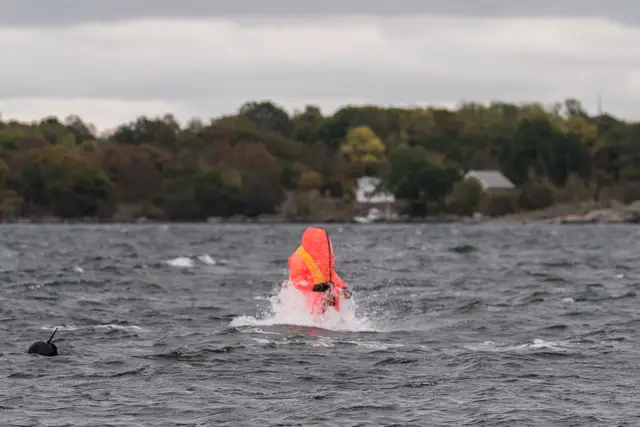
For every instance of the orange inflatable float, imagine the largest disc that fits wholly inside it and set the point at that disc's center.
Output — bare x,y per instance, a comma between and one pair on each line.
312,272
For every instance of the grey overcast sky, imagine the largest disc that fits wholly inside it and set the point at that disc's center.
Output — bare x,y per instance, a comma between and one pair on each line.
110,62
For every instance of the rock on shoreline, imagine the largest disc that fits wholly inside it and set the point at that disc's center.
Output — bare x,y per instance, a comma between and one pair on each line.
593,213
601,216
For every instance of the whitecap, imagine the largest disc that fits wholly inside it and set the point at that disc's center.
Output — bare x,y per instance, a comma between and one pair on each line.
182,262
206,259
126,328
108,327
536,344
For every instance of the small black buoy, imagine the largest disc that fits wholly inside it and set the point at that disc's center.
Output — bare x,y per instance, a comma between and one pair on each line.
42,348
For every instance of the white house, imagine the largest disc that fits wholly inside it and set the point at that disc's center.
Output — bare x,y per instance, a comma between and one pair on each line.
367,191
491,180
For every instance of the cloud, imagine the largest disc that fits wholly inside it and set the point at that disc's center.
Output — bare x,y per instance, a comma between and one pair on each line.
112,72
65,12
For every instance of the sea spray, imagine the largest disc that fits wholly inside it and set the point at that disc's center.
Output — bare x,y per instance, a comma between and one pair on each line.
288,307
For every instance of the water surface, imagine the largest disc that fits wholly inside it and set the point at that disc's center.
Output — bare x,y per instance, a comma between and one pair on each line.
451,325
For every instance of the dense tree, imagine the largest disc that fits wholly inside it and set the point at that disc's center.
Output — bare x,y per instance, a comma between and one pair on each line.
263,160
465,196
420,177
363,148
267,116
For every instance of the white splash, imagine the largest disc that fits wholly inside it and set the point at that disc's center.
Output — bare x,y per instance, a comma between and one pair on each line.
206,259
188,262
181,261
288,307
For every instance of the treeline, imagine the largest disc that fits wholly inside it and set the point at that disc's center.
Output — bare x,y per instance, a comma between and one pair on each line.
251,162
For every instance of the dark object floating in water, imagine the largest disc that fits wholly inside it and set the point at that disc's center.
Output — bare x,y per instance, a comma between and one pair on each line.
463,249
42,348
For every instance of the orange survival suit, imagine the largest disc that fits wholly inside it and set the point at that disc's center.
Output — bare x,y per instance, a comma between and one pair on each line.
312,272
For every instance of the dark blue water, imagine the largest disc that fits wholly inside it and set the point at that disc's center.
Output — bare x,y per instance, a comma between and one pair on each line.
451,325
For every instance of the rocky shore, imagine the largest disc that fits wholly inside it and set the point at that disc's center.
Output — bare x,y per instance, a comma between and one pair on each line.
591,212
608,216
610,212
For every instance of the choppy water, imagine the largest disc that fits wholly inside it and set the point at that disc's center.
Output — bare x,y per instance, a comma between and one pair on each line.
166,325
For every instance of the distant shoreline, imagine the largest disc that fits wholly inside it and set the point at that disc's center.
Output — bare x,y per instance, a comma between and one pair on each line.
611,212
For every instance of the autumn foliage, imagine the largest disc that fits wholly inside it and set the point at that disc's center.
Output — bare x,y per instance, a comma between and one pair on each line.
249,163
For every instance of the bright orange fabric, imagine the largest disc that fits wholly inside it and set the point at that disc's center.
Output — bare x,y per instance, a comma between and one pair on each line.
313,263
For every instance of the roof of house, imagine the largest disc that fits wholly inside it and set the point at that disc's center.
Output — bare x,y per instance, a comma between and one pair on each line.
491,178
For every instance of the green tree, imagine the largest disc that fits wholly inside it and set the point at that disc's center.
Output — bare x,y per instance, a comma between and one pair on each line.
537,193
246,163
4,172
307,125
268,116
59,179
465,196
419,176
310,180
363,148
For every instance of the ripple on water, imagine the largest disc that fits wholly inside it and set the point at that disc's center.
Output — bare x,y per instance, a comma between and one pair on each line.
191,325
